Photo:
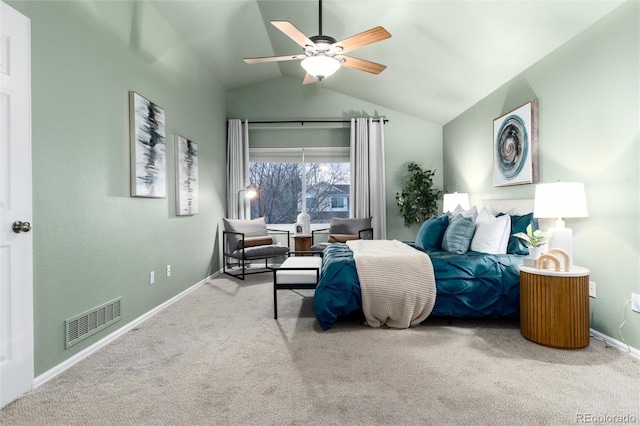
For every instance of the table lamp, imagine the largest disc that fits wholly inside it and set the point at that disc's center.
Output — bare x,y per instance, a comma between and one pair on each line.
557,201
451,201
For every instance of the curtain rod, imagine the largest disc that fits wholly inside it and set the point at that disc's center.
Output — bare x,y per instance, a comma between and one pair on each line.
386,120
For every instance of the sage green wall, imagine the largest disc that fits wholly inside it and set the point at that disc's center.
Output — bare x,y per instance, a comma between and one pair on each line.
407,138
92,241
588,93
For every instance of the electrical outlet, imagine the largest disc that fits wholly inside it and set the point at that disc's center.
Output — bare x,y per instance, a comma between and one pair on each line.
168,270
635,302
592,289
152,277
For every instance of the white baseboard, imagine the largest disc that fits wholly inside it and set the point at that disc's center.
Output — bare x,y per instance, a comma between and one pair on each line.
50,374
615,343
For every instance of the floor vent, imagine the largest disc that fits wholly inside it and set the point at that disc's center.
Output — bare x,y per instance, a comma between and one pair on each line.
84,325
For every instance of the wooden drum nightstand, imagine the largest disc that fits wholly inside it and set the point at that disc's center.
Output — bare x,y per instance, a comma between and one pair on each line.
554,307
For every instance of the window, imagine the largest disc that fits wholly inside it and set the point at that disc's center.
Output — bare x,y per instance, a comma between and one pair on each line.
277,173
339,203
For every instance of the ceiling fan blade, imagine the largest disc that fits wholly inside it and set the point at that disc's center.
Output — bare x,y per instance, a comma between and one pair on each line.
361,64
273,59
308,79
293,33
359,40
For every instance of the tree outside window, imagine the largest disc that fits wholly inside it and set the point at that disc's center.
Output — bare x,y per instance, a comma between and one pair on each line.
280,186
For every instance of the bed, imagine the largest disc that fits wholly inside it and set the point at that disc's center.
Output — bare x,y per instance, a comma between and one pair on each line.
468,283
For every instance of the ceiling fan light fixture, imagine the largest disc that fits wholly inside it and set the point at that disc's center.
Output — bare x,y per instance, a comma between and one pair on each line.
323,54
320,66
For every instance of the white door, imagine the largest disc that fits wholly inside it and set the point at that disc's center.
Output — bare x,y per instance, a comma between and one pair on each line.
16,275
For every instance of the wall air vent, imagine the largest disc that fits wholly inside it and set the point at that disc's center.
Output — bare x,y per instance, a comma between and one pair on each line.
84,325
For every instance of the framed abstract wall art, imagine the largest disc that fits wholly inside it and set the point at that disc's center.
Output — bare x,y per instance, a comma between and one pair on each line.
186,177
148,148
515,146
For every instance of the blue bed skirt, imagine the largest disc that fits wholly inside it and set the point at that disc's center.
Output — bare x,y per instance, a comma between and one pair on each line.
473,284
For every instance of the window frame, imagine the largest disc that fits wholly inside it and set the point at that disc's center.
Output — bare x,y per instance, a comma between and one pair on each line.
295,155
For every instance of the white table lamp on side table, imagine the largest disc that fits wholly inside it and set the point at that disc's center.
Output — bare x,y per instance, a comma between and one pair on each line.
560,200
451,201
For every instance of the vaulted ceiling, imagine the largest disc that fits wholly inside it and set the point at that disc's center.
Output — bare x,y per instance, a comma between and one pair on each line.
442,58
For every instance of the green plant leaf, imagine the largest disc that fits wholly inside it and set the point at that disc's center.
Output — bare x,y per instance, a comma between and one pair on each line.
418,200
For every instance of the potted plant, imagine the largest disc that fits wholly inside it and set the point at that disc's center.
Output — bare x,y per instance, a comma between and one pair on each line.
419,199
535,240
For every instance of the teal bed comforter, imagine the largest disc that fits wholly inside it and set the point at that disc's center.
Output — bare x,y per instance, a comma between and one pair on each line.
473,284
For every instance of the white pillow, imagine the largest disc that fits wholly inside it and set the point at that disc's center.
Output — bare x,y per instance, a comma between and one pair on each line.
472,212
492,233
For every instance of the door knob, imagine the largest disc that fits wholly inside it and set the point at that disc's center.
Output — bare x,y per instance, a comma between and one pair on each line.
19,227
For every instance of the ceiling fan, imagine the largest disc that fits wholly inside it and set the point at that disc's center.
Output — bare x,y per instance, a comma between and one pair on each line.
323,55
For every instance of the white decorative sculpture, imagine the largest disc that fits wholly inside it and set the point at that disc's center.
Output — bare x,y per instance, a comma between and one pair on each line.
303,224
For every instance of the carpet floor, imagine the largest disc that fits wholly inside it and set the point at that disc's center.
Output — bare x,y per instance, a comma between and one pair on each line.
217,357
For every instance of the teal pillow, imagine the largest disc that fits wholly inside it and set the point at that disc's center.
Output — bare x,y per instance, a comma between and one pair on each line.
519,224
430,234
457,238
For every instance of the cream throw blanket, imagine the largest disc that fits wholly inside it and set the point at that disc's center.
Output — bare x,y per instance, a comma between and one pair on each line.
396,281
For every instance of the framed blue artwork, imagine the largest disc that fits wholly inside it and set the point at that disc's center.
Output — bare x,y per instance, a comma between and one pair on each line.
515,146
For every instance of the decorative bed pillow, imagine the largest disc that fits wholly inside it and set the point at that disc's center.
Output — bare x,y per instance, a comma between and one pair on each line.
430,234
492,233
472,212
458,235
519,224
251,228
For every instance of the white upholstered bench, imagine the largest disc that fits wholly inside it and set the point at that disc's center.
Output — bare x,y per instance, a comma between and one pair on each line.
295,273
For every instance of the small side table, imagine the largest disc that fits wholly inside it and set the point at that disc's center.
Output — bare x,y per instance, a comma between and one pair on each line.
554,307
302,243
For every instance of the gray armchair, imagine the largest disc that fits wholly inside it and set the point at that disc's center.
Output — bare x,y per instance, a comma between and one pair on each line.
341,231
247,240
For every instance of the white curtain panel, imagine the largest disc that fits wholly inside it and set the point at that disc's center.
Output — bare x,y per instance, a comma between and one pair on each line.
238,206
368,192
377,185
359,145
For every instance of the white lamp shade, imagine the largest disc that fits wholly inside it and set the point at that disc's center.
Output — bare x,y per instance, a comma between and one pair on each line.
320,66
451,201
251,192
560,199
